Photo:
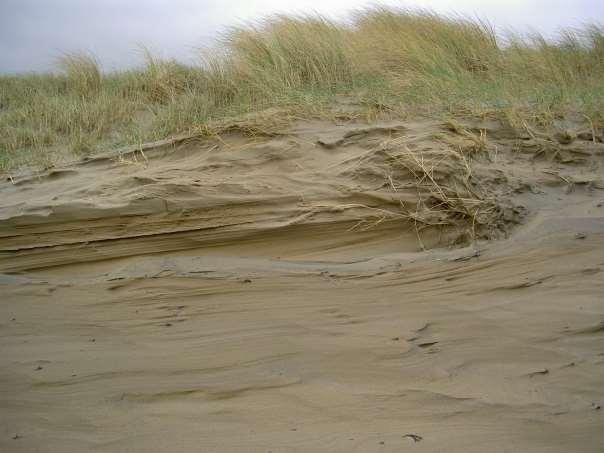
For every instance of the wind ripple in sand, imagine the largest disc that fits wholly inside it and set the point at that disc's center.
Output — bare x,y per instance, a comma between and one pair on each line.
264,297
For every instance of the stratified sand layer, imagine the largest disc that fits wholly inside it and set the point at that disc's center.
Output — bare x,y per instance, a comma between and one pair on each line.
254,295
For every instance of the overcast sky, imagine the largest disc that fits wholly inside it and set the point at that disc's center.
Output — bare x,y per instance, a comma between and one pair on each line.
34,32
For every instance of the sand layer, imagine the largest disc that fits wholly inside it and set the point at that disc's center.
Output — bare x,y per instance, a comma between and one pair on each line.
404,286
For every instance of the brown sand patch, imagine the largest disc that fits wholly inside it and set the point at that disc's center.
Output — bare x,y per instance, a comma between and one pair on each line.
271,294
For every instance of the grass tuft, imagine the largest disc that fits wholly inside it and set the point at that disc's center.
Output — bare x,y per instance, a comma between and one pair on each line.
82,71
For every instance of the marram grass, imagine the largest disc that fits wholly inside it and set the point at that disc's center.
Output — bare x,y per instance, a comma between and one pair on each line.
388,59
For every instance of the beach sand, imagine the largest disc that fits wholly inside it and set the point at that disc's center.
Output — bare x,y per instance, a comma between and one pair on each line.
271,293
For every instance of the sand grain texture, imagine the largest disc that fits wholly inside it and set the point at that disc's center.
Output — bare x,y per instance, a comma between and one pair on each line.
271,294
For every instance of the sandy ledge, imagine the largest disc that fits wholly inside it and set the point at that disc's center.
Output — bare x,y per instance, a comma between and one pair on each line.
272,294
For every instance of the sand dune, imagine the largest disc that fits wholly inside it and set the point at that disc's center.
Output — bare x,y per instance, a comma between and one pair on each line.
403,286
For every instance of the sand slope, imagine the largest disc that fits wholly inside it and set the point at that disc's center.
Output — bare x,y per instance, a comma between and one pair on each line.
271,294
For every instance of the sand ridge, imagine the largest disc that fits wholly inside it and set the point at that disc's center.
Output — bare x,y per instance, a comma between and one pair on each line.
306,291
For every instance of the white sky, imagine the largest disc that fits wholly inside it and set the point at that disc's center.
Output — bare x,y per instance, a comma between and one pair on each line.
34,32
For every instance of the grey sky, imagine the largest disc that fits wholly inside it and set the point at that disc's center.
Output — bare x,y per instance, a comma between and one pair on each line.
34,32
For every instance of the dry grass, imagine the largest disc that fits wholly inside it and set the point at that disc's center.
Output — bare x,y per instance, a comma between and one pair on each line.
82,72
451,195
384,60
448,193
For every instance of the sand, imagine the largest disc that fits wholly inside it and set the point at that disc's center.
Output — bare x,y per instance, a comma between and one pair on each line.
272,293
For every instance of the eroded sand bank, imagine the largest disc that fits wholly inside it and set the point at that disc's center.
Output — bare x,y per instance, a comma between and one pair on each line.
271,294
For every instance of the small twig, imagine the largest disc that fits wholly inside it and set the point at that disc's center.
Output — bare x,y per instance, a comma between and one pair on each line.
555,173
144,157
593,129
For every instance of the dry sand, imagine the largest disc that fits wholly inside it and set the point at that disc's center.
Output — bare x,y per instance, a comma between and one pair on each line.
262,294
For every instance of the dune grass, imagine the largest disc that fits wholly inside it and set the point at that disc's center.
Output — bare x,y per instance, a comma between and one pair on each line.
383,61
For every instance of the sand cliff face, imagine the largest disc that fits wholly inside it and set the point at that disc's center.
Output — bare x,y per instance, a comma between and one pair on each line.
407,285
